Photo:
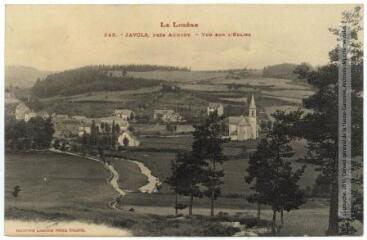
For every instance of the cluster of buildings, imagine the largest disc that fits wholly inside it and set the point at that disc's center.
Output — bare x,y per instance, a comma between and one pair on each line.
66,126
240,128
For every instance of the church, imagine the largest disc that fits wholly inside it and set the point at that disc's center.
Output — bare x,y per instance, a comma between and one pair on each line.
243,128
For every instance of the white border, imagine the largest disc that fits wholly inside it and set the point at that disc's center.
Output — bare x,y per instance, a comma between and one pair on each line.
2,89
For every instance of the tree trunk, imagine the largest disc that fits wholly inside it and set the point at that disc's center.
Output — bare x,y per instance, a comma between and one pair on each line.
212,193
273,227
258,211
333,208
176,210
212,203
281,219
191,202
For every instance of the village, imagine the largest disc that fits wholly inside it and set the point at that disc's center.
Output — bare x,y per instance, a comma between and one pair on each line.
68,128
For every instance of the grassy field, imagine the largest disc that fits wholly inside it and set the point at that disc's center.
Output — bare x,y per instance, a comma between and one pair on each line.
163,143
158,152
48,180
113,96
191,101
262,82
214,88
235,171
98,105
179,76
130,177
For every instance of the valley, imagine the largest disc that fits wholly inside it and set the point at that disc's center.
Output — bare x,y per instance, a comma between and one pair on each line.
135,177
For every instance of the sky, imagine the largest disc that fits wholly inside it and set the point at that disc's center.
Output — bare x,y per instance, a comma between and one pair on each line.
59,37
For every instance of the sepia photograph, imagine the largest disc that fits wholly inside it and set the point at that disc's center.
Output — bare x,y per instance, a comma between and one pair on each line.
208,120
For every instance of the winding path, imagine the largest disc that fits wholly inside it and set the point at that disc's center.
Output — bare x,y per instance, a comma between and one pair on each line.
153,182
114,181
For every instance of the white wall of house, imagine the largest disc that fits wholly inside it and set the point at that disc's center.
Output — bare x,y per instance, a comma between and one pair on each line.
84,130
29,116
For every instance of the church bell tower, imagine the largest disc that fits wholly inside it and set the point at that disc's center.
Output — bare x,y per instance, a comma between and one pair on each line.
252,107
252,117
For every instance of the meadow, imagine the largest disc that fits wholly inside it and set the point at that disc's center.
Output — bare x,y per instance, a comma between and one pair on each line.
235,172
197,89
49,179
278,83
158,152
130,178
178,76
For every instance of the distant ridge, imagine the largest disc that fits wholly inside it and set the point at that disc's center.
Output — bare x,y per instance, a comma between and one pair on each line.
22,76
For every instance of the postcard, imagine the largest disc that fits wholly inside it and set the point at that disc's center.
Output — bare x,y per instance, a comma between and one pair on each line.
238,120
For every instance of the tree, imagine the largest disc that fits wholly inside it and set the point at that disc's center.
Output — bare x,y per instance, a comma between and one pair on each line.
124,72
125,141
302,70
175,182
113,135
207,145
93,133
199,167
276,183
187,176
107,128
34,134
16,191
257,172
40,132
320,126
56,144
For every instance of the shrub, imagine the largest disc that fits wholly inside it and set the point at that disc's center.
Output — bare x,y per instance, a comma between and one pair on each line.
219,230
123,223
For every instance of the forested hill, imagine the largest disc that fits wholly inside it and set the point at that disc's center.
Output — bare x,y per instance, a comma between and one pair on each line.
284,70
96,78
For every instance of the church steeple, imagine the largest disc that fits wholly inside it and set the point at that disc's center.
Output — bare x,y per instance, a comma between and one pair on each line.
252,107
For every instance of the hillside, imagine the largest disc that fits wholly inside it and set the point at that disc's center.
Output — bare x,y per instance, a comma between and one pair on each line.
284,70
92,79
22,76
